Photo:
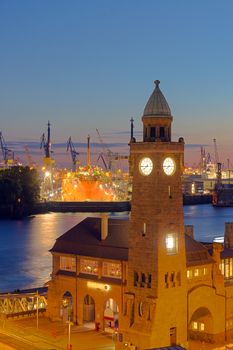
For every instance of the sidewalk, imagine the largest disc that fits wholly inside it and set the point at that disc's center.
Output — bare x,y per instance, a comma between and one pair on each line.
54,335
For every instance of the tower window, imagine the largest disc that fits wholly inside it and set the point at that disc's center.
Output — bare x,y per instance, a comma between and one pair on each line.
152,132
149,280
135,278
143,280
162,132
171,243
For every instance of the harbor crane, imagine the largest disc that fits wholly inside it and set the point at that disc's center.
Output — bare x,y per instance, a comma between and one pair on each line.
109,155
46,145
218,165
7,154
73,153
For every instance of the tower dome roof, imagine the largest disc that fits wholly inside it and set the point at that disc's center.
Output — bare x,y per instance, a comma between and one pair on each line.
157,104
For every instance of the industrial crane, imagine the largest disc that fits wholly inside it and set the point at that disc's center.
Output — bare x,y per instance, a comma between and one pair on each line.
46,145
218,165
111,156
7,154
73,153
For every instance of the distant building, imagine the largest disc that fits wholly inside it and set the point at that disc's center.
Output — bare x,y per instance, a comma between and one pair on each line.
146,276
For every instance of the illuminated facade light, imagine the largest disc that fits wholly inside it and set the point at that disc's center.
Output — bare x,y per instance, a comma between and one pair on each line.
101,286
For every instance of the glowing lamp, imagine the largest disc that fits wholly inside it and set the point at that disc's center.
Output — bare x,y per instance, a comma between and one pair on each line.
100,286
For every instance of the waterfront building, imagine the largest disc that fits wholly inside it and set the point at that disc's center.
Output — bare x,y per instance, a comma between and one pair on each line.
146,276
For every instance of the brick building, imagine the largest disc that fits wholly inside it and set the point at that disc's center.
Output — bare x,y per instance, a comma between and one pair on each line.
146,275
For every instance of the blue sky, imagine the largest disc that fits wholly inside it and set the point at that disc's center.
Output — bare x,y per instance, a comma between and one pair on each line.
91,64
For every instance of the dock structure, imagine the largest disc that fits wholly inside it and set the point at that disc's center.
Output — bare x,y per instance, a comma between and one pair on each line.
23,303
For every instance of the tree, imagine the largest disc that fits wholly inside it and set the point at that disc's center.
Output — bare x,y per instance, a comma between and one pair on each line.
19,189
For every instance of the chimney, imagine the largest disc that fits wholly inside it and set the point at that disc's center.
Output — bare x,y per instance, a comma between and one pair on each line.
104,226
188,230
228,235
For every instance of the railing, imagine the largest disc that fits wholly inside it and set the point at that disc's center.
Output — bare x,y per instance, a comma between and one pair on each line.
23,303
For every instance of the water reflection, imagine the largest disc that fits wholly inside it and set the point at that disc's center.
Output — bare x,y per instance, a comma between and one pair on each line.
24,248
208,221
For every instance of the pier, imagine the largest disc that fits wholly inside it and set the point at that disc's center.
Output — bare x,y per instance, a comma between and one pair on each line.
82,207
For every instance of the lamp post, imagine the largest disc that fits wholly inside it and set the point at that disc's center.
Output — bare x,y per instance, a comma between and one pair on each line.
69,327
37,309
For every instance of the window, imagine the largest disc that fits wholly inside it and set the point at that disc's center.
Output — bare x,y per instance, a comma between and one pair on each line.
189,273
195,325
149,280
152,132
221,267
89,266
143,280
171,243
202,326
67,263
162,132
136,278
205,270
111,270
196,272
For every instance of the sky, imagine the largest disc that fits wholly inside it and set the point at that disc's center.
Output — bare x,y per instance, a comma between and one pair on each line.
87,64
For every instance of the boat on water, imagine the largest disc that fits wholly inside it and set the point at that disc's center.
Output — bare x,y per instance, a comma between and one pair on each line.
92,183
223,195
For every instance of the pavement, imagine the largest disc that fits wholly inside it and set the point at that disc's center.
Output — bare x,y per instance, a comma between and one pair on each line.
23,334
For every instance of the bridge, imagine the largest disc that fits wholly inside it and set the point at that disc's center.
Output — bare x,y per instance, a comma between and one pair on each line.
23,303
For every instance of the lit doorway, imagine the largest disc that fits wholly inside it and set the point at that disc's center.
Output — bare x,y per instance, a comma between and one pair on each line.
66,311
89,311
111,316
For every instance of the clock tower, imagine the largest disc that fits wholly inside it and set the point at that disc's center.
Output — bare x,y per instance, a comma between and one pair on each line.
154,310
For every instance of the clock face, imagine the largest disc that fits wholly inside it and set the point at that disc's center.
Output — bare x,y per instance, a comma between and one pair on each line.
168,166
146,166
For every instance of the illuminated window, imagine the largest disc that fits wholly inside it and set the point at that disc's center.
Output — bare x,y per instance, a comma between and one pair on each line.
89,266
189,274
111,270
201,326
67,263
227,268
195,325
171,243
231,267
205,270
196,272
221,267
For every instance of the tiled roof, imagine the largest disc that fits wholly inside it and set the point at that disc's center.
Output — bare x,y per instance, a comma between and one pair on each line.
85,239
196,253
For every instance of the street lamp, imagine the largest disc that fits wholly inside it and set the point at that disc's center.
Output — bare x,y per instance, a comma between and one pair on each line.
37,309
69,346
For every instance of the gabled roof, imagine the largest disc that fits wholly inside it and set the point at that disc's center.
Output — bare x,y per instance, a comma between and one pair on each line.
157,104
196,253
85,239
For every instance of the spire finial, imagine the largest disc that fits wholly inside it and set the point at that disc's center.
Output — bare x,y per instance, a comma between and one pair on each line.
157,82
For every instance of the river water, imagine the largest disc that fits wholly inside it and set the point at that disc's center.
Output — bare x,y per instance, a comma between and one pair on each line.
25,260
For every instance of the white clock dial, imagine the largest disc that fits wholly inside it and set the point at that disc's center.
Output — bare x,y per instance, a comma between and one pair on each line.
168,166
146,166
